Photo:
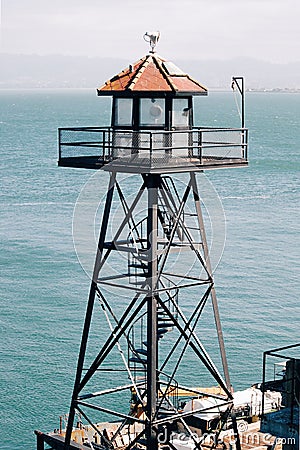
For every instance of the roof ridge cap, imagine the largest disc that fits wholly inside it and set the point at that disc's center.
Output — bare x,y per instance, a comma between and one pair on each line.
164,74
140,70
122,73
196,82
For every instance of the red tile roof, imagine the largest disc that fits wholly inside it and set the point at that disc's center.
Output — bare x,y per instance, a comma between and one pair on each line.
152,74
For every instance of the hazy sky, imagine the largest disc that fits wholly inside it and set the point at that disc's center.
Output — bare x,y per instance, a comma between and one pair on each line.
190,29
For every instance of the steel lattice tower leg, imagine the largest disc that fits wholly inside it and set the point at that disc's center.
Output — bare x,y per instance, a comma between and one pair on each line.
153,258
89,310
213,291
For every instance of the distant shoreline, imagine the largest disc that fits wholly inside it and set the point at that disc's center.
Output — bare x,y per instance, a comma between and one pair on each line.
66,72
276,90
210,89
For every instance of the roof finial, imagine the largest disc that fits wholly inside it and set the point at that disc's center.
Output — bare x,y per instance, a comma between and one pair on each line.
152,37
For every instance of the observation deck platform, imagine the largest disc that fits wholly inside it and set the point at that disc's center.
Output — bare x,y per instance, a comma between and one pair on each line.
128,151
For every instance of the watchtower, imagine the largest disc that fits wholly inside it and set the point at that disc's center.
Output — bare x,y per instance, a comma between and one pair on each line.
152,275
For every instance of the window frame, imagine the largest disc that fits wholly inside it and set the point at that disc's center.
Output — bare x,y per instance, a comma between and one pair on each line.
114,123
190,113
155,126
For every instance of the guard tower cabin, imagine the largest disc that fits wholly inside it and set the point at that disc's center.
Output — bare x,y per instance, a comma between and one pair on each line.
152,126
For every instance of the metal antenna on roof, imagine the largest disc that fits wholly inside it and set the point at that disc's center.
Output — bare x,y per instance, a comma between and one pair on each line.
152,37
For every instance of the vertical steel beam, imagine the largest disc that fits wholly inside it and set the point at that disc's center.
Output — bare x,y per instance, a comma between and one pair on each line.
89,310
236,432
239,82
293,392
153,182
59,145
39,442
263,386
213,291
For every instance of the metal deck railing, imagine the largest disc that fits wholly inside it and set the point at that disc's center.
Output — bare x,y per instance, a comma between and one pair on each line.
284,422
94,147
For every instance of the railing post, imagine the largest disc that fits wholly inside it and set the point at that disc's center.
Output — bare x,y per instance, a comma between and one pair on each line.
190,144
59,144
110,144
246,145
135,142
200,146
150,147
263,385
293,395
103,144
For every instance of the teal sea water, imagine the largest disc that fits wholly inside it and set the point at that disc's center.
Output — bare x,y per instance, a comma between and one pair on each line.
44,289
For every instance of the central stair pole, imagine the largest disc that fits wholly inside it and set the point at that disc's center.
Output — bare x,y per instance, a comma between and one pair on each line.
152,357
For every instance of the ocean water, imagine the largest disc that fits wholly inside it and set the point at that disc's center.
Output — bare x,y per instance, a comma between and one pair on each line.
44,288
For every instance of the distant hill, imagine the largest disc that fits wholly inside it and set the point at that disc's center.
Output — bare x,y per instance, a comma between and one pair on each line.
56,71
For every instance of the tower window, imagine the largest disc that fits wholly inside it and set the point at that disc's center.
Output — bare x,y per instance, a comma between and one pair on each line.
123,111
152,112
180,112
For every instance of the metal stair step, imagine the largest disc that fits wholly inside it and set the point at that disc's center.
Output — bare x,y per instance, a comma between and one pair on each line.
142,351
138,266
160,334
165,325
164,320
135,359
162,331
